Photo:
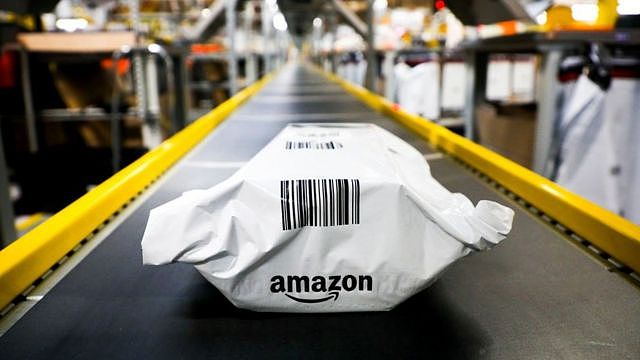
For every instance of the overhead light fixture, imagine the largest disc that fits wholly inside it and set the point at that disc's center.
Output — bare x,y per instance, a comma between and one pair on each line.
71,25
584,12
317,22
380,5
628,7
279,22
273,5
541,19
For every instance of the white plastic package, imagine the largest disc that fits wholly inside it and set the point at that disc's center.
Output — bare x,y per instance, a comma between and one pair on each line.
327,217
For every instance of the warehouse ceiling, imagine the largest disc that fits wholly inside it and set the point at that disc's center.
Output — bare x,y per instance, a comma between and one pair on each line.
300,13
475,12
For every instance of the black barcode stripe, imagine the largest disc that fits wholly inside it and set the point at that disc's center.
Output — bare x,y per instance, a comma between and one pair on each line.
331,208
324,203
305,202
339,205
315,145
345,203
358,202
301,203
353,196
288,211
310,202
293,209
314,198
319,202
282,202
356,193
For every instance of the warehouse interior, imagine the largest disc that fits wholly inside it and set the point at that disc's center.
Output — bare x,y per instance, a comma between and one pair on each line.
111,108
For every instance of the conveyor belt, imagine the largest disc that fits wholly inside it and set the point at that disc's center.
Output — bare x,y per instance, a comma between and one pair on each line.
534,296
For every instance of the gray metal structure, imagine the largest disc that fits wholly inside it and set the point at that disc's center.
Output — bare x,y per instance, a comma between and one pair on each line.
551,48
27,95
144,54
475,12
7,226
230,17
547,108
361,27
208,23
372,59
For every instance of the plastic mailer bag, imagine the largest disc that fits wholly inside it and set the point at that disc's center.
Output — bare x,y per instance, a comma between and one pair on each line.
327,217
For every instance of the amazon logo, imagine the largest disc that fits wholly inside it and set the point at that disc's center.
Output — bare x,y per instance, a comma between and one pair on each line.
317,289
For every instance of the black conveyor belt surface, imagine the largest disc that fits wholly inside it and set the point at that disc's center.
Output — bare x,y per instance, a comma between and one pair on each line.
535,296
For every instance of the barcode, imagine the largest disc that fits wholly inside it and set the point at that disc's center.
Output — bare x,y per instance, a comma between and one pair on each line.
326,145
319,202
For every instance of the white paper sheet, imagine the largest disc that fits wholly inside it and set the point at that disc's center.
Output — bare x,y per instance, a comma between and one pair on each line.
454,79
499,72
524,79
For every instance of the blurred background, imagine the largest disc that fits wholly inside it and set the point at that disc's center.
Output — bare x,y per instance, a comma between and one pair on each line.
88,86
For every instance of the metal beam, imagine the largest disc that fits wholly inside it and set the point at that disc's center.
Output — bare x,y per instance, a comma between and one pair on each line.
547,93
372,63
333,29
267,30
206,21
351,18
517,9
29,112
231,52
7,227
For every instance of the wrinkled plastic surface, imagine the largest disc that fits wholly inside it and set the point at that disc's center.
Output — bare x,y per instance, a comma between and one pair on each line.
325,218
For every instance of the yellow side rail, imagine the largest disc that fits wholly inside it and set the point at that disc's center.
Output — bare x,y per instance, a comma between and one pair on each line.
615,235
29,222
28,258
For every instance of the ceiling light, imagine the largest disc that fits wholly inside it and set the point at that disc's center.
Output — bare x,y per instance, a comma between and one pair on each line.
380,5
541,19
71,25
584,12
628,7
279,22
273,5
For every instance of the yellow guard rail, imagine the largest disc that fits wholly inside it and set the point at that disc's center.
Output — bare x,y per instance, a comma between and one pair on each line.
613,234
28,258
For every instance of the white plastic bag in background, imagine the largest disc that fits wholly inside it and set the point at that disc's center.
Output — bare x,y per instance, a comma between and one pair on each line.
327,217
419,88
598,154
